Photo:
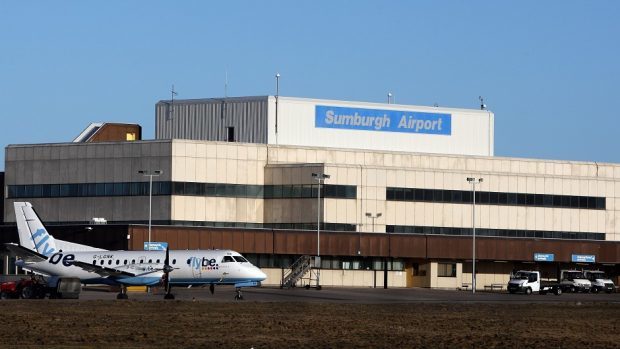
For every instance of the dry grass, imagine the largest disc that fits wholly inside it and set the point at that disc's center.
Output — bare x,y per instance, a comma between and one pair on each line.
288,325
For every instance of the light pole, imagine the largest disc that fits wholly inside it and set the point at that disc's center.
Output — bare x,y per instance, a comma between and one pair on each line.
473,182
369,215
318,177
150,174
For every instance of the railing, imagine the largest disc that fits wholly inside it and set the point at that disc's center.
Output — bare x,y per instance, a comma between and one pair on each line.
296,271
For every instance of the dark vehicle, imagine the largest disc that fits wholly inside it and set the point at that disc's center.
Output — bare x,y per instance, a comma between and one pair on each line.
37,287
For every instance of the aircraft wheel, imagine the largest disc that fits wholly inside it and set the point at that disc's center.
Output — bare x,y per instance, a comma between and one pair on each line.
238,297
168,296
122,296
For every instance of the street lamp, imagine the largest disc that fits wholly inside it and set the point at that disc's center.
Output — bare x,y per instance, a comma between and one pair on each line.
369,215
318,177
150,174
473,182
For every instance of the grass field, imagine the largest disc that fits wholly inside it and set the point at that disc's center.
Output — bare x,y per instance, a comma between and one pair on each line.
57,323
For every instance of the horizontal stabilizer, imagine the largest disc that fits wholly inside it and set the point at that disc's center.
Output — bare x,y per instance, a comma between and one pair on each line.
24,253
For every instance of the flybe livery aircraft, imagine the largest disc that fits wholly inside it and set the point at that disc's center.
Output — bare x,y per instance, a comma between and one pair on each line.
42,254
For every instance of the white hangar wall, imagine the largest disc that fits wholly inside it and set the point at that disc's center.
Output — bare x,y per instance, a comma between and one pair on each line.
378,126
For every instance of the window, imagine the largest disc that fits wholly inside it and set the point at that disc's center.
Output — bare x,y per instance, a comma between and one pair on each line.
130,136
446,270
228,259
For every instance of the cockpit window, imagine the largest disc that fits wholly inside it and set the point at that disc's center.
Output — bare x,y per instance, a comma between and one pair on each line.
228,259
240,259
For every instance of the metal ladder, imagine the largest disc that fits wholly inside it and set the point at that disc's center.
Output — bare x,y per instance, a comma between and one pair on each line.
296,272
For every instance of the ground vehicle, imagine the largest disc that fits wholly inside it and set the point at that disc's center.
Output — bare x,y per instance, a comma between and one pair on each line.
574,281
529,281
38,287
599,281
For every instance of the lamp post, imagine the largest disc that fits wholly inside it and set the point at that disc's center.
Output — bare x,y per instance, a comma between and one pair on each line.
150,174
369,215
318,177
473,182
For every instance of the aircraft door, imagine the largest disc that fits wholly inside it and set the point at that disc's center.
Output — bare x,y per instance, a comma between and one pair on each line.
196,267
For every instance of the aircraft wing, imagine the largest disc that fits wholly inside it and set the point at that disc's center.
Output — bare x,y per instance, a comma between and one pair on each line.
101,270
134,270
25,254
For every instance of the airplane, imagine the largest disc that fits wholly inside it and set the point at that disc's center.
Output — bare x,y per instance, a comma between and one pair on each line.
42,254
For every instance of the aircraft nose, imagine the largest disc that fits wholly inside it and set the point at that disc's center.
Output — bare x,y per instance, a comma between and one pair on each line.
259,274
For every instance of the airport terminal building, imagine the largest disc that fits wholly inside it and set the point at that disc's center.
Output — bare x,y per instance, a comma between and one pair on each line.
238,173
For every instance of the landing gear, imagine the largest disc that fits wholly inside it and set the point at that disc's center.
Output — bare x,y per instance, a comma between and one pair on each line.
168,296
238,296
123,293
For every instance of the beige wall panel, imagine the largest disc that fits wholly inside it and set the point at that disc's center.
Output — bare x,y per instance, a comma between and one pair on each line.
390,212
494,217
513,184
565,223
530,218
353,215
521,218
539,217
353,175
530,184
521,184
190,170
390,179
502,216
548,185
548,219
429,179
241,214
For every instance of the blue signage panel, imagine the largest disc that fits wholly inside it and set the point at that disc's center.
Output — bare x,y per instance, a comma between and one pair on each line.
382,120
544,257
583,258
155,246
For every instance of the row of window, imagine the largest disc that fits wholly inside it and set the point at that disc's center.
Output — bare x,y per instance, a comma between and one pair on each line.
495,198
300,191
512,233
327,262
225,259
286,226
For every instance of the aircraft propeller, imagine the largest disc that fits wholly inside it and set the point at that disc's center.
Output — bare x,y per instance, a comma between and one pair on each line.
167,269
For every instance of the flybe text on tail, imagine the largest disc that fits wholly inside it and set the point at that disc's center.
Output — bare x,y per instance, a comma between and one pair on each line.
40,239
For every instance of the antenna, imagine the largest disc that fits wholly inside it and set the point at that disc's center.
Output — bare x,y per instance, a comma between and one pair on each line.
482,105
172,94
389,95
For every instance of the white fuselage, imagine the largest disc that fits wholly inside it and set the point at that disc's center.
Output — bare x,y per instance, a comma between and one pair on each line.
197,267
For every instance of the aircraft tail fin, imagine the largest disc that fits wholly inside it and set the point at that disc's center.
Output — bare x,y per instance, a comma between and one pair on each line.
32,232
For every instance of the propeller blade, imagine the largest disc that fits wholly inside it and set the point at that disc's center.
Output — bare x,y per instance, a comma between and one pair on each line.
167,270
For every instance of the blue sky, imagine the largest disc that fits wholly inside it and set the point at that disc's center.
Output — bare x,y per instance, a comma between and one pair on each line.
549,70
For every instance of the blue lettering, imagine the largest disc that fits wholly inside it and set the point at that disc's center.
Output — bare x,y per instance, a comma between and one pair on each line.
55,258
68,260
383,120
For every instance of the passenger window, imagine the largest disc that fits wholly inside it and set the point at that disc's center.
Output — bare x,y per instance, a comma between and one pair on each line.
101,262
125,262
141,261
189,260
118,262
109,262
228,259
174,261
133,261
94,262
157,261
150,261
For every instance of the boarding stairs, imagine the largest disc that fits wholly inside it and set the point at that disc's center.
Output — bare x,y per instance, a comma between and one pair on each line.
297,271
